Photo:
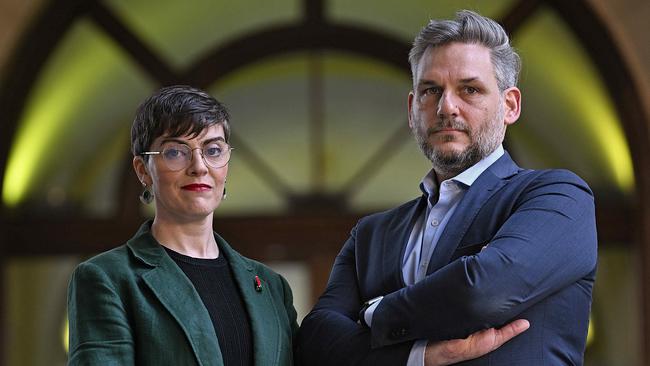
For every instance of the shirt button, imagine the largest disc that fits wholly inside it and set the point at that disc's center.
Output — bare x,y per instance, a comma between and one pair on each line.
434,222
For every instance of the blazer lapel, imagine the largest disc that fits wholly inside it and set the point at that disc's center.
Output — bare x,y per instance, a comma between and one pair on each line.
264,319
478,193
177,294
395,239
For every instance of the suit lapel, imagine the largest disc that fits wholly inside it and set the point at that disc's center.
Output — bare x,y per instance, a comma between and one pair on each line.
264,319
177,294
478,193
395,239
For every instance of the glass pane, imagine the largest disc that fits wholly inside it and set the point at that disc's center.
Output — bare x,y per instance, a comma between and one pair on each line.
267,103
247,193
362,104
568,119
406,18
397,182
73,138
365,104
182,31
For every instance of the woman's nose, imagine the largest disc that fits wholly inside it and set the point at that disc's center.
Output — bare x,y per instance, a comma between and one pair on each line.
197,164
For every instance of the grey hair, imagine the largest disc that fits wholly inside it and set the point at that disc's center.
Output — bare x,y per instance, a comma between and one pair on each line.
470,27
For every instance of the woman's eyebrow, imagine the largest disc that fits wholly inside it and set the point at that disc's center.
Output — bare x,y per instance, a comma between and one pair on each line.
213,139
171,139
184,142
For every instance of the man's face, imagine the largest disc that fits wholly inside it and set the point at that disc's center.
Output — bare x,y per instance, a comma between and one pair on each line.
456,111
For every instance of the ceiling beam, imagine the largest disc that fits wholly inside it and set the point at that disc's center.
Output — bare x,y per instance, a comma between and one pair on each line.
294,237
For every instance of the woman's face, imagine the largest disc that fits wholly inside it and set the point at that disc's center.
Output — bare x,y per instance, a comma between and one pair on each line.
191,193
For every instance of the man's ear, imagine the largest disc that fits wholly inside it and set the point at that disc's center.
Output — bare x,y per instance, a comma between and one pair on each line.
410,109
140,168
512,105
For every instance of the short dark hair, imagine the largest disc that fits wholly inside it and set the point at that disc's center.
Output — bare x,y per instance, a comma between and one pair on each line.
472,28
176,111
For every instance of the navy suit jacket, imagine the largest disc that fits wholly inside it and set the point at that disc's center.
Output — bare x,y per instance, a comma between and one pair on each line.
521,244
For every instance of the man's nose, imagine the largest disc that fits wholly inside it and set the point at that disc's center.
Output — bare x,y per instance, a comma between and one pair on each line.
447,105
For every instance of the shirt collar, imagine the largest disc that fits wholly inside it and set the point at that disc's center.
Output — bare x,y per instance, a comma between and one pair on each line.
468,176
429,184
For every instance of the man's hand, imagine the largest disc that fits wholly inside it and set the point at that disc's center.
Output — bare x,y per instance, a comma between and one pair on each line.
476,345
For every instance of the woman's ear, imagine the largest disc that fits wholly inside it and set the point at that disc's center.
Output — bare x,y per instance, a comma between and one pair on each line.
140,168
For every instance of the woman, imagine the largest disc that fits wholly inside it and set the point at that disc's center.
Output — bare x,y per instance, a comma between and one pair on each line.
177,293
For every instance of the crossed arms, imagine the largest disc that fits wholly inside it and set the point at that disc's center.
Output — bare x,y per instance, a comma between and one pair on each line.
546,243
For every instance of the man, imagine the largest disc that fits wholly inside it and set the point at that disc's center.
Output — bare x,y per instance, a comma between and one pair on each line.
488,242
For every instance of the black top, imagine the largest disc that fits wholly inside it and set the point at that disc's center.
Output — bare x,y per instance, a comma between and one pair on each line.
213,281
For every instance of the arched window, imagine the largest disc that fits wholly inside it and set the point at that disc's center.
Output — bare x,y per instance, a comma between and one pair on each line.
317,90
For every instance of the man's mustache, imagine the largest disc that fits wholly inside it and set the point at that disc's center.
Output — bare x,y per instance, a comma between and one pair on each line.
447,124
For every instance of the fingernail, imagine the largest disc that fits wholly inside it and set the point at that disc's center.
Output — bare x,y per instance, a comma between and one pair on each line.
523,324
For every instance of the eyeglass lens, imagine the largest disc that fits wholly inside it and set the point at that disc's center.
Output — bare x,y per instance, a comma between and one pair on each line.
178,156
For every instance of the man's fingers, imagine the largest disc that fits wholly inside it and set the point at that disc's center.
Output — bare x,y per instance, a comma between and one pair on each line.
509,331
476,345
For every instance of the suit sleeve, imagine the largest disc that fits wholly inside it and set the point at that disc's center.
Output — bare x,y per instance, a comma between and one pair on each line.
547,243
99,330
330,334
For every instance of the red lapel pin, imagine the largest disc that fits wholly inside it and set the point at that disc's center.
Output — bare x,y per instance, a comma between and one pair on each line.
258,284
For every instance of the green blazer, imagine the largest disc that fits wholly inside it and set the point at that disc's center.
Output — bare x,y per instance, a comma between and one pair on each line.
134,306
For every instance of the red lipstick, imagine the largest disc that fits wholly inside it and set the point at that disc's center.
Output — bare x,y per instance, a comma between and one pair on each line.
197,187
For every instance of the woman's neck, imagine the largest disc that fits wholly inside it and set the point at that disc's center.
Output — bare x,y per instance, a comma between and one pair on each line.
193,239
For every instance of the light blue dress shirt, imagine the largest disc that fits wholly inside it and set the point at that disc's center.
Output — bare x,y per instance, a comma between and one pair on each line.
428,228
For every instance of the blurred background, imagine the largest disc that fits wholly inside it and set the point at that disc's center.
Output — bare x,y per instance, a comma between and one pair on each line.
317,91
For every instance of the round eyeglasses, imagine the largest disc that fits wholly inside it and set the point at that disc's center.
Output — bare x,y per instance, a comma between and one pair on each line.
179,156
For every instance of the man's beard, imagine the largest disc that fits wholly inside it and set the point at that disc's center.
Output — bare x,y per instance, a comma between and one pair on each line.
483,141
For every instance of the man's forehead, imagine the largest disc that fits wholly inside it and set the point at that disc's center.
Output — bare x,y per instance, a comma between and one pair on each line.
462,62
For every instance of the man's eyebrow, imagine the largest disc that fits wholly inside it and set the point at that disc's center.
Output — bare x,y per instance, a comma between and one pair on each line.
427,82
469,79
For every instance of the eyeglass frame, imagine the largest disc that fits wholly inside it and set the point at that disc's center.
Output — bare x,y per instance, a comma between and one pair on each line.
189,162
